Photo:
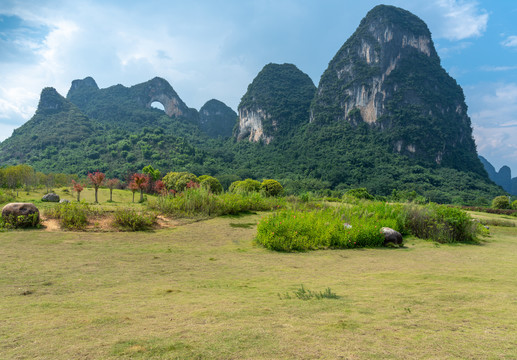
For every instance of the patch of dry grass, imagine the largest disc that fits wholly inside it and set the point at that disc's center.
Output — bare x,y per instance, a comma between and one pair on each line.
203,291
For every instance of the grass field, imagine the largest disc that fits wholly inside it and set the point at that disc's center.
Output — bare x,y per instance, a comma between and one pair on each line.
204,291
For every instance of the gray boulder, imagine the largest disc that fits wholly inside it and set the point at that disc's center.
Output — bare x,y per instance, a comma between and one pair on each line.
64,201
391,236
29,212
51,197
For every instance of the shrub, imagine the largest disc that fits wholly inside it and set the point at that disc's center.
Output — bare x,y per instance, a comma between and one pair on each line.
130,219
514,205
246,186
501,202
441,223
21,221
71,216
359,193
178,181
271,187
6,196
210,183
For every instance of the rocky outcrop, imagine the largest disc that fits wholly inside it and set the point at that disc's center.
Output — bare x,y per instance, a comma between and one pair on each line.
50,197
251,125
391,236
160,90
388,75
21,214
276,103
217,119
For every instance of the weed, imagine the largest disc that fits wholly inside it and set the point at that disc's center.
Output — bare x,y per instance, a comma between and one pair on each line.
130,219
305,294
71,216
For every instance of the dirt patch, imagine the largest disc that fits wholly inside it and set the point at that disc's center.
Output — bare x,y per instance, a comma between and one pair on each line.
105,224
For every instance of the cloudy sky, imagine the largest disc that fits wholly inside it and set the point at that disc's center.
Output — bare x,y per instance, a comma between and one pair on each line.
213,49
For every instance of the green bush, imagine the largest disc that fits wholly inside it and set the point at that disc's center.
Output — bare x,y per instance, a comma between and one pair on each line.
501,202
6,197
130,219
441,223
359,193
245,186
71,216
271,187
210,183
514,205
21,221
178,181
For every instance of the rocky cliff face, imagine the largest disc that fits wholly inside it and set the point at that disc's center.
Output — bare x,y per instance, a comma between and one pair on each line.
389,76
276,103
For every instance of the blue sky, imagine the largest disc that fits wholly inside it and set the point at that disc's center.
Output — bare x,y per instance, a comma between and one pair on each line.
213,49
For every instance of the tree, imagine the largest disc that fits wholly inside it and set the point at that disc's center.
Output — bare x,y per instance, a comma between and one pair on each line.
210,183
77,187
245,186
112,183
159,187
96,179
141,181
154,174
134,188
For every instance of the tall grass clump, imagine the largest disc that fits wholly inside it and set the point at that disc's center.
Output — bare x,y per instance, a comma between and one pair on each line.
132,220
342,227
71,216
200,201
441,223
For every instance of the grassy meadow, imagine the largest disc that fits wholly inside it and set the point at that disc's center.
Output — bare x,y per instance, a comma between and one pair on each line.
204,290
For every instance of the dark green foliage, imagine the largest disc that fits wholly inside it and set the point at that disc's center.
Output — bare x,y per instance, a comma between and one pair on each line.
216,119
501,202
359,193
132,220
271,187
21,221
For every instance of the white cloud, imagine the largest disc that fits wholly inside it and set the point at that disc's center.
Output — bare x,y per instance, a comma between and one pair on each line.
510,41
457,19
493,111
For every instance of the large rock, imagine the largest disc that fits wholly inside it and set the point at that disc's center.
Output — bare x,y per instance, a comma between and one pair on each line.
391,236
51,197
12,212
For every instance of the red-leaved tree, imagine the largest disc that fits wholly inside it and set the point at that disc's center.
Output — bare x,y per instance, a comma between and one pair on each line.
97,179
111,184
77,187
160,188
141,180
134,188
